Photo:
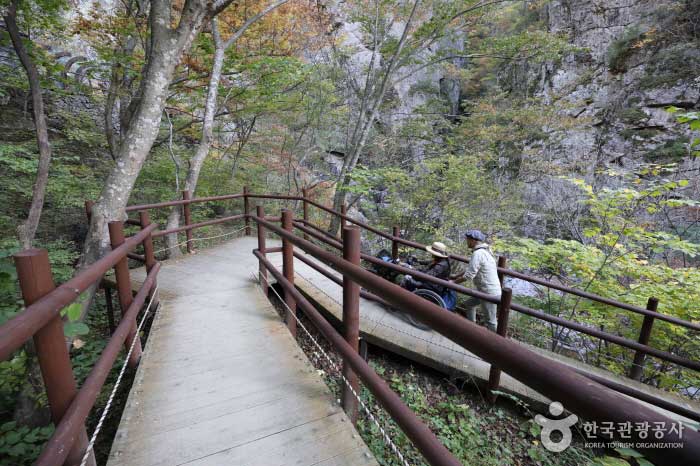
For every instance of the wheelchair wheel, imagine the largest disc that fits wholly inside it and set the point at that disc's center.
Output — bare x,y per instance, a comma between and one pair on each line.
431,296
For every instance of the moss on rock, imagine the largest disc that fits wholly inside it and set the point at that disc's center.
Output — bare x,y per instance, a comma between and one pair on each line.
680,62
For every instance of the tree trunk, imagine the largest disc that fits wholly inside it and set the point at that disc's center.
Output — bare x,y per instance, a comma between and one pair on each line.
27,230
204,144
359,140
27,410
167,46
202,151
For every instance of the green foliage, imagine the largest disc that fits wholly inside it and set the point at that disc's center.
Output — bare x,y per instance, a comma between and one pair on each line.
621,49
639,133
75,174
627,457
21,444
669,151
437,198
621,258
491,436
671,65
62,256
633,115
13,375
683,146
610,461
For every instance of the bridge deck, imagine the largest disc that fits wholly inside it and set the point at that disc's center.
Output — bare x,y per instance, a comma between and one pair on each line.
223,382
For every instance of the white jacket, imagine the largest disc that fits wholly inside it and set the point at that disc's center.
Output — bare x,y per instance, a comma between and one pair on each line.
482,269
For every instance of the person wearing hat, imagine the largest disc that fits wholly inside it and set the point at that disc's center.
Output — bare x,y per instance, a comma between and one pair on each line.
439,267
482,270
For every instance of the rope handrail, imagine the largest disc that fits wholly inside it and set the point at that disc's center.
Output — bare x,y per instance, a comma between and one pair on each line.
424,439
313,230
622,341
113,393
657,401
347,383
159,205
520,275
67,430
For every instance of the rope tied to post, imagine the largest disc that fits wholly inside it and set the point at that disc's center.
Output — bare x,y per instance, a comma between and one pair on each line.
107,407
233,232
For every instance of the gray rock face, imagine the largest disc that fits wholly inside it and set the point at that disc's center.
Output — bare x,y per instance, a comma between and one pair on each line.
634,58
595,24
621,81
412,85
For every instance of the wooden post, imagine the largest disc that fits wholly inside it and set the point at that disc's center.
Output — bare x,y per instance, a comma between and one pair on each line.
88,210
121,272
36,281
351,319
246,210
187,213
288,270
396,232
343,212
262,271
145,220
644,334
364,349
305,207
343,223
502,263
110,309
148,251
502,330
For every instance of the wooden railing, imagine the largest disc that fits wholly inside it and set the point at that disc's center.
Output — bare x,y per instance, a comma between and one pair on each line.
577,392
310,230
41,321
70,406
640,346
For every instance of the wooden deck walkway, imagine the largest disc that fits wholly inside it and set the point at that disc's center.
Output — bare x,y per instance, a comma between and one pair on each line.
222,382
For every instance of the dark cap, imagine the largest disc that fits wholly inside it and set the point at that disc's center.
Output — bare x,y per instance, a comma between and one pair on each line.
475,234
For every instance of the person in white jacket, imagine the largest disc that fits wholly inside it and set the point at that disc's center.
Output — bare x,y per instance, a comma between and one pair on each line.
482,270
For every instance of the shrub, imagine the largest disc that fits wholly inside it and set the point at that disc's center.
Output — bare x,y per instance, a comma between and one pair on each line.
670,150
620,49
670,65
633,115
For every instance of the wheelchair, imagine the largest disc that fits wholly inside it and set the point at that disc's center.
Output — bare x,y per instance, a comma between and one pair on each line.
428,295
446,301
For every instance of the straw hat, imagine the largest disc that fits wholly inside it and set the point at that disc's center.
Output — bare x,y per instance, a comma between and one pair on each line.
437,249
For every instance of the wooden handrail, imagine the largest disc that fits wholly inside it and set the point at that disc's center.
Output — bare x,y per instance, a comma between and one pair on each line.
553,379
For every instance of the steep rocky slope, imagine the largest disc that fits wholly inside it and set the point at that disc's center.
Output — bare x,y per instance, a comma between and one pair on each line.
637,57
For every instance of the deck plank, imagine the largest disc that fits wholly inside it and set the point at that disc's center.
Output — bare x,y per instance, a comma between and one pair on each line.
222,381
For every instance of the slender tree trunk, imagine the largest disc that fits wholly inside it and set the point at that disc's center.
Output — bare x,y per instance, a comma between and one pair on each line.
205,143
27,230
360,139
202,151
27,410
